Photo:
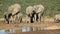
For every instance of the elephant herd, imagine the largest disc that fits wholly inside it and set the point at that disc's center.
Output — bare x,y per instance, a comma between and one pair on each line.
33,13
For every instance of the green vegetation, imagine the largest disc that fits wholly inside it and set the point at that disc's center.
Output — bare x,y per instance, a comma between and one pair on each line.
51,6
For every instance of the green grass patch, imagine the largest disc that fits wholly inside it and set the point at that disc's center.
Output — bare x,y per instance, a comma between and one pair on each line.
51,6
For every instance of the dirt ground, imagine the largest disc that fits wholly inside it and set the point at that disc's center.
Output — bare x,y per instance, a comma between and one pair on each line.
51,26
49,23
41,32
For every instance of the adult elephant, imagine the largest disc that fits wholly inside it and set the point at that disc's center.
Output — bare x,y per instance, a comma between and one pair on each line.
12,11
29,14
39,10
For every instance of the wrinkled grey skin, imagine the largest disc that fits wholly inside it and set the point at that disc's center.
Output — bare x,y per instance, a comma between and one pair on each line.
57,18
39,10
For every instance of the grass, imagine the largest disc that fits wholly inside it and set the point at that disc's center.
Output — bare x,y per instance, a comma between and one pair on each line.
51,6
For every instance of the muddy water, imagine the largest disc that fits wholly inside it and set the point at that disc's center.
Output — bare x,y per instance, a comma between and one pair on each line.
23,29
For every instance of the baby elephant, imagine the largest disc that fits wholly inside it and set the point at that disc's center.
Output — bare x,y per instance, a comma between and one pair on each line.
57,18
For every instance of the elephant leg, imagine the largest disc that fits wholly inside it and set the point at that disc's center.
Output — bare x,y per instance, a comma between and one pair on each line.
28,19
7,19
31,19
35,18
39,15
18,20
21,20
14,18
42,16
11,19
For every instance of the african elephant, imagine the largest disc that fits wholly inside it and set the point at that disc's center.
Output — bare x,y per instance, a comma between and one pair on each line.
39,11
29,14
12,11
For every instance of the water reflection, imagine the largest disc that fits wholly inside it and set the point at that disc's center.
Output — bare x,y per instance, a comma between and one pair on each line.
23,29
2,31
6,31
10,31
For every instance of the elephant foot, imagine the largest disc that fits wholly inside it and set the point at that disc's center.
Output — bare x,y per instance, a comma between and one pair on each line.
27,22
31,21
7,22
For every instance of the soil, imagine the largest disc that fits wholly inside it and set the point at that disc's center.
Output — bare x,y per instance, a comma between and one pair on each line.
41,32
52,27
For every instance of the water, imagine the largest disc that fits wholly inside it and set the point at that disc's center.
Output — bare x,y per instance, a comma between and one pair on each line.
23,29
6,31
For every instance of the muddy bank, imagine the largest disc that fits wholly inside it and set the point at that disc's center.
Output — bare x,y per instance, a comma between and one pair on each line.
57,31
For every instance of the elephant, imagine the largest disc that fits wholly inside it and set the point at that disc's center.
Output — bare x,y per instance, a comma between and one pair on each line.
39,11
29,14
11,12
57,18
19,17
7,16
14,8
